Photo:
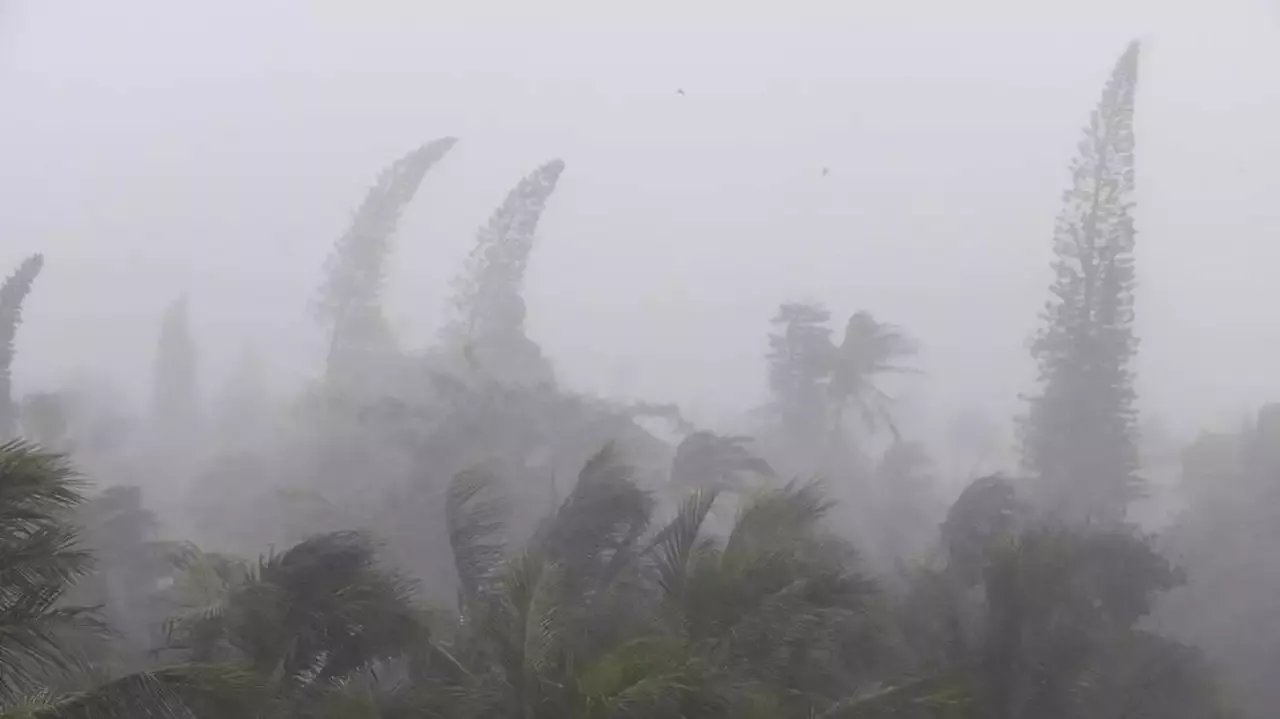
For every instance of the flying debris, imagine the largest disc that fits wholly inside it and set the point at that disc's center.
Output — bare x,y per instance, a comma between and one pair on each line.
826,171
680,91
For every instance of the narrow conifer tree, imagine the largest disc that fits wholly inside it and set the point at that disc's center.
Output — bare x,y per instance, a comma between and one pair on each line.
488,324
12,293
350,301
174,391
799,360
1078,437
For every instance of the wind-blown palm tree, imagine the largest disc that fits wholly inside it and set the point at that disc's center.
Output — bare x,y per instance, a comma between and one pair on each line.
598,617
869,350
315,614
40,559
705,459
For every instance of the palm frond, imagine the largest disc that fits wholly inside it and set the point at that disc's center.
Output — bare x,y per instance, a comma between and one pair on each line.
337,602
33,485
930,696
318,611
674,545
651,677
179,692
39,559
475,524
596,530
198,598
779,516
709,460
869,350
33,639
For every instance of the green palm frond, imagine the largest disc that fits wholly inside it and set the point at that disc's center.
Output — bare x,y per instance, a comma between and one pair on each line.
340,607
34,485
870,349
383,690
179,692
39,559
778,517
203,585
319,611
595,532
651,677
675,544
515,635
709,460
475,524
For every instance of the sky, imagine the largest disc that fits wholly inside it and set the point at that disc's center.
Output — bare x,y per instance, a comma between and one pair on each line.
153,149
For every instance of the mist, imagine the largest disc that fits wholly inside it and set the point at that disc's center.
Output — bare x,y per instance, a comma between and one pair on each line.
149,158
187,175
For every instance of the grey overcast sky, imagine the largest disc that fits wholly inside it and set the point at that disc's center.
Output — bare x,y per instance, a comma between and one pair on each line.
152,147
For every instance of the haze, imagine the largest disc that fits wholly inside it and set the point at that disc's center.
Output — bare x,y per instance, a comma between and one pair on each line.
219,149
554,360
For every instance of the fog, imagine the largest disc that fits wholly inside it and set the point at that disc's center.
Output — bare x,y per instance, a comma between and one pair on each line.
702,183
218,151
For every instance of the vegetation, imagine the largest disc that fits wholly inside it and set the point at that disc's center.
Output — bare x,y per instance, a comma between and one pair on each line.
12,293
1080,429
452,534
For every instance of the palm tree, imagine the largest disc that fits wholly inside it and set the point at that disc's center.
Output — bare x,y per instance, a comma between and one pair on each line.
313,615
40,559
780,603
599,617
869,350
705,459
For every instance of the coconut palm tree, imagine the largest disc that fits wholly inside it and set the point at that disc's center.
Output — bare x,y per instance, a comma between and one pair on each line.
869,350
40,560
705,459
599,617
311,616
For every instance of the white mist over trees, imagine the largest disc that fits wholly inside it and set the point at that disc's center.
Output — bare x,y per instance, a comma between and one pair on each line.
451,531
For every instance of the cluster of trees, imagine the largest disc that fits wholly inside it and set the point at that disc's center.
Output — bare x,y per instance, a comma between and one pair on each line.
604,610
451,533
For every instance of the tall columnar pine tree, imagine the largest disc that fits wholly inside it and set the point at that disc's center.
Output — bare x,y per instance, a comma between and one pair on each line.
799,362
175,400
12,293
350,299
1078,437
488,326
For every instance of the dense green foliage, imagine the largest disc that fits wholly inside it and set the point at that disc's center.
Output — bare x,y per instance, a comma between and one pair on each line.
605,612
